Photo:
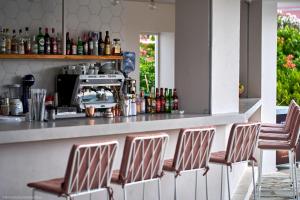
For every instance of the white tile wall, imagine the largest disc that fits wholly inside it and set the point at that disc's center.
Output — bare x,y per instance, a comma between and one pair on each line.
81,15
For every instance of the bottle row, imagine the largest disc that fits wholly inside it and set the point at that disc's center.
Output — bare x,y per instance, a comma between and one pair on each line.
158,101
24,43
92,43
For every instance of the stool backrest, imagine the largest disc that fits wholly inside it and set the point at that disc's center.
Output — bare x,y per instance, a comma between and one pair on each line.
89,167
292,108
242,142
193,149
143,157
294,129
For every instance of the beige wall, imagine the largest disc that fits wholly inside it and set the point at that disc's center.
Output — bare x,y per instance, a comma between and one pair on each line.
126,21
138,18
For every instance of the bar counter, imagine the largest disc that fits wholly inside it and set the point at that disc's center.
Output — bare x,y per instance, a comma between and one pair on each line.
14,132
29,150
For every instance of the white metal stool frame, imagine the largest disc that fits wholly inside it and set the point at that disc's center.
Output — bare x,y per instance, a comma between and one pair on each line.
156,144
188,158
237,152
78,160
295,132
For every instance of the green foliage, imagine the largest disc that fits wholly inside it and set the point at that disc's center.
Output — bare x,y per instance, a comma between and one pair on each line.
288,61
147,65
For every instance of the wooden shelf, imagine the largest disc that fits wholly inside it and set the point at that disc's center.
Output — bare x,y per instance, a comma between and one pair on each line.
59,57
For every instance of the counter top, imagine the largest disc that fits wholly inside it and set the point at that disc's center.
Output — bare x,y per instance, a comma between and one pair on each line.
86,127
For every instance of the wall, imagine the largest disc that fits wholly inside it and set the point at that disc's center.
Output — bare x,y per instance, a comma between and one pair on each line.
225,56
124,21
192,55
167,60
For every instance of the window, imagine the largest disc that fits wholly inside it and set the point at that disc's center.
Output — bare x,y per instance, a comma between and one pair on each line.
148,61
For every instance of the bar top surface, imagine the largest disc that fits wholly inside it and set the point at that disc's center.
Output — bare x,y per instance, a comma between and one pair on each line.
14,132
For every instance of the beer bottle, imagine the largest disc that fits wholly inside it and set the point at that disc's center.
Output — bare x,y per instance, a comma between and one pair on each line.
107,44
47,42
68,44
162,100
158,101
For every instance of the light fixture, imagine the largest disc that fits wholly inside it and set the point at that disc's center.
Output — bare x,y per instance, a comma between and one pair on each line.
152,5
114,2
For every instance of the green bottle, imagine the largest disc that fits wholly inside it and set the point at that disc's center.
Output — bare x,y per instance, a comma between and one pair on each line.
79,46
41,42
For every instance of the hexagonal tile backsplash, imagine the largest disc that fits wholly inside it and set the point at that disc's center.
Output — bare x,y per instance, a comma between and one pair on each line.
80,15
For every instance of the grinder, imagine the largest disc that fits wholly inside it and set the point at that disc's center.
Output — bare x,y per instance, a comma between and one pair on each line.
28,81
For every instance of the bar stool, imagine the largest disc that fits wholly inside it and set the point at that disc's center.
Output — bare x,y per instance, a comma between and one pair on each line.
289,145
142,161
191,154
280,128
280,133
240,148
88,171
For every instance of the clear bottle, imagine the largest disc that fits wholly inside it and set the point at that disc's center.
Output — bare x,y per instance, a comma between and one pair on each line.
85,45
116,47
91,44
53,42
59,44
14,43
2,41
35,46
41,42
95,44
142,101
8,41
74,47
27,41
21,46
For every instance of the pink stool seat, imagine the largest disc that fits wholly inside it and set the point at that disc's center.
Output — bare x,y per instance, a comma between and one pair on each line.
276,145
219,157
274,136
168,165
54,186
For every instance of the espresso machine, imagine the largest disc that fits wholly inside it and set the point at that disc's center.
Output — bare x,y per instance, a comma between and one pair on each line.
100,91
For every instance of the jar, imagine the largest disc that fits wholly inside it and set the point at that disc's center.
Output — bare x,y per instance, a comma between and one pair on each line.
4,106
117,47
15,107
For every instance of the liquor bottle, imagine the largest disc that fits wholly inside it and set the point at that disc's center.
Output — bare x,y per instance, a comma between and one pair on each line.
107,44
85,45
142,101
101,45
14,43
8,42
170,101
21,47
41,42
158,101
175,100
68,44
95,44
2,41
27,41
59,44
153,101
167,100
47,42
91,44
79,47
74,47
53,42
162,100
35,46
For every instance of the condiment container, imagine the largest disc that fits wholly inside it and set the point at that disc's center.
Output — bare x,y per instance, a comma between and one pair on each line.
15,107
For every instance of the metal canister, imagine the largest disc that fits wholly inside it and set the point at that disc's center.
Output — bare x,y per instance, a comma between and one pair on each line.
4,106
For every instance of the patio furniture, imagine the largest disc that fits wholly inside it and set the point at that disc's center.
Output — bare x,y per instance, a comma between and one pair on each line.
142,161
88,171
192,154
289,145
240,148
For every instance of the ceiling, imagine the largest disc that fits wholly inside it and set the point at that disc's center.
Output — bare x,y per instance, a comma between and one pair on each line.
158,1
